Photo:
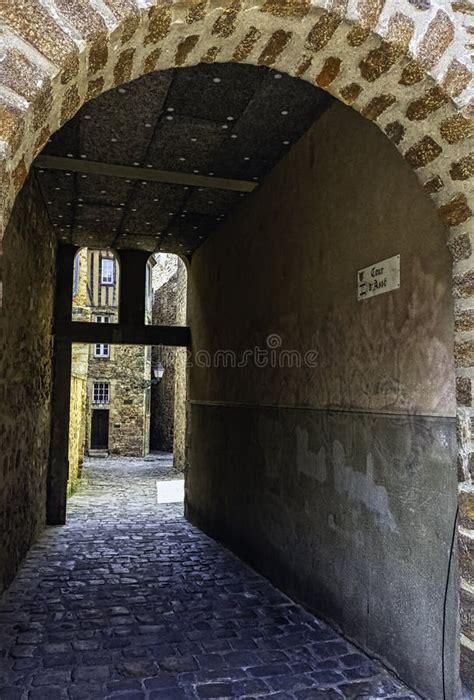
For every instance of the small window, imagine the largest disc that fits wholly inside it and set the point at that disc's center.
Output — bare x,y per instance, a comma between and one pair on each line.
100,392
107,269
102,349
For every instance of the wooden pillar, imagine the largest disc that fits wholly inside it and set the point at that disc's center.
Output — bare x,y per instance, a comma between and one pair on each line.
58,467
132,287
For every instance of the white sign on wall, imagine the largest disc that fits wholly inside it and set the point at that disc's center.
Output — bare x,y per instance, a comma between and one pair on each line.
381,277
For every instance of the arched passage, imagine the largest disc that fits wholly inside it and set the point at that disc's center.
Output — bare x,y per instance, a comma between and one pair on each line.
399,69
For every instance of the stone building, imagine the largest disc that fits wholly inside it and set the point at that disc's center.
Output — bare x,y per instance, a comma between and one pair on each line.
168,397
118,376
78,420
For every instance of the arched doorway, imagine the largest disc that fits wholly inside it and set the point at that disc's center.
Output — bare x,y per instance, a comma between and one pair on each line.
84,53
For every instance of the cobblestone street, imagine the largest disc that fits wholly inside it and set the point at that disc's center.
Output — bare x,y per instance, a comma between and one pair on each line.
130,601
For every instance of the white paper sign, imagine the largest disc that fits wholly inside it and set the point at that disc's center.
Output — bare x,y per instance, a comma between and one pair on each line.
170,491
378,278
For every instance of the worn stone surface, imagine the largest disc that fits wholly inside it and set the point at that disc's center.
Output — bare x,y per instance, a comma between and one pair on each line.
78,415
128,600
168,413
27,274
377,106
181,428
164,313
78,421
456,128
456,212
423,152
127,372
350,93
439,35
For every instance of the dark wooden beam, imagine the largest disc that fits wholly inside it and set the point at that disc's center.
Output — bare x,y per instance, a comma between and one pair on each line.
58,465
90,167
132,287
121,334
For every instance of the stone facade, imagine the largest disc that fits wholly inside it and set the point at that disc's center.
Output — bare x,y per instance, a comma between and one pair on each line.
164,314
27,274
404,66
181,373
78,414
126,370
168,398
78,419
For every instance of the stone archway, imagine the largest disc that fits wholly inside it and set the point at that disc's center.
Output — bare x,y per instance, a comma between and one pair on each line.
405,69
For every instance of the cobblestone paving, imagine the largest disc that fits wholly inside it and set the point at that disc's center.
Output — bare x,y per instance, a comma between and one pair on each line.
129,601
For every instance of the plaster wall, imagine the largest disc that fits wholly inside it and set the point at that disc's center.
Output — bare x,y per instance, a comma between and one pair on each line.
336,480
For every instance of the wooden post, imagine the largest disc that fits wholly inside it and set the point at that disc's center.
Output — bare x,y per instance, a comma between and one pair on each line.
132,287
58,467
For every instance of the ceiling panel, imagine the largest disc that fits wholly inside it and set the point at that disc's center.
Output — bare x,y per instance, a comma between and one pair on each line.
211,201
98,221
217,92
150,243
185,145
58,191
99,189
152,208
117,126
224,120
65,142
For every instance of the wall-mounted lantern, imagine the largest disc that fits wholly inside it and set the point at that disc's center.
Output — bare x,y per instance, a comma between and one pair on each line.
158,372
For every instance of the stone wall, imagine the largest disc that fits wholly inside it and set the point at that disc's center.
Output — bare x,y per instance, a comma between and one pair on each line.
78,414
127,371
336,479
181,374
168,415
165,274
27,271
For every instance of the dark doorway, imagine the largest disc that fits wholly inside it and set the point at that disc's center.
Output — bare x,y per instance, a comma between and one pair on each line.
100,430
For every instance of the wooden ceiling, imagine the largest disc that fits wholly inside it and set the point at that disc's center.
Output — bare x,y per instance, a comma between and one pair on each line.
159,163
